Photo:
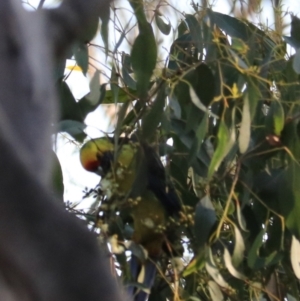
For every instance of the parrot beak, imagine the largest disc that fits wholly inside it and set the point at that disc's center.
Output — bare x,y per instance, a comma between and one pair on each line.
100,171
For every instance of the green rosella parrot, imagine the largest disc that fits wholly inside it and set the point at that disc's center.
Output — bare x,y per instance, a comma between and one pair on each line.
134,171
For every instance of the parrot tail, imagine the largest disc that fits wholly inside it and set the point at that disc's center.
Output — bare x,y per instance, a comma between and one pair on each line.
143,274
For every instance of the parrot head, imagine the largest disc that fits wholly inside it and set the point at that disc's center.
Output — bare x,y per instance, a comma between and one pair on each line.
116,167
96,155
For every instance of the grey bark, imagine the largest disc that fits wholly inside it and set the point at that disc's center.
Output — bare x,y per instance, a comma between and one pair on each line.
45,254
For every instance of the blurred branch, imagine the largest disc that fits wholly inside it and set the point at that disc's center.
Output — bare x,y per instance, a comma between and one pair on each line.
45,254
41,4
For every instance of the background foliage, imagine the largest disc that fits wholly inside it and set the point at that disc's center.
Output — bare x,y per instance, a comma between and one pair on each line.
223,111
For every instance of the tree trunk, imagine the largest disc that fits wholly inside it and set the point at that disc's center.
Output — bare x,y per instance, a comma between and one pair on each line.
45,254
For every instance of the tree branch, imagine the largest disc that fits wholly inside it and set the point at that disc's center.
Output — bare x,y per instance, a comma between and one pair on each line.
41,4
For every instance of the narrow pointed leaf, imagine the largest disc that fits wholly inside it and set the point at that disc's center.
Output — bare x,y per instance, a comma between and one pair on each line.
143,59
224,145
82,56
152,119
214,272
277,112
245,129
197,102
231,268
214,291
94,94
164,27
239,247
295,259
205,219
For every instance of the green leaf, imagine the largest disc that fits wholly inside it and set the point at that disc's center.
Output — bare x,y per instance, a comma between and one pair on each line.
95,93
204,84
295,29
230,266
295,251
196,264
57,179
143,59
73,128
245,129
254,260
205,219
138,8
254,94
277,112
104,26
289,198
237,59
181,52
290,298
215,291
121,116
126,70
240,217
151,120
197,87
182,28
195,30
225,143
296,61
197,102
239,247
214,271
90,30
59,69
232,26
72,111
292,42
123,96
88,104
164,27
81,56
201,132
114,84
69,108
131,116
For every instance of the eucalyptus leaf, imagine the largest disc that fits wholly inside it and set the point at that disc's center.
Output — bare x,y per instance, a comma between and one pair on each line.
152,119
195,30
81,56
214,291
214,272
205,219
143,58
57,179
225,143
164,27
231,25
105,14
231,268
245,129
296,61
295,250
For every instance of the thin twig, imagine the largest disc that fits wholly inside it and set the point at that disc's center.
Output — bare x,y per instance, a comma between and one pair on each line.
40,4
